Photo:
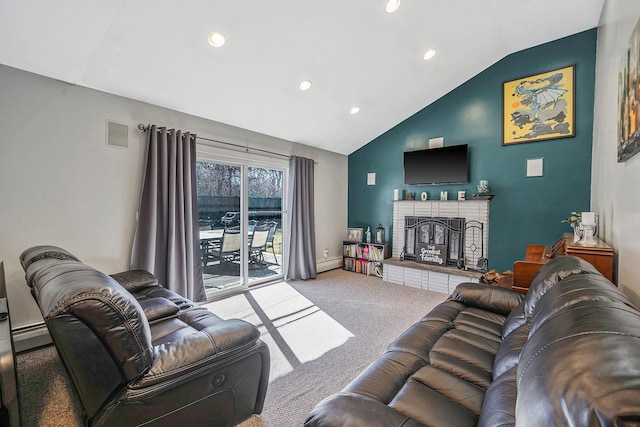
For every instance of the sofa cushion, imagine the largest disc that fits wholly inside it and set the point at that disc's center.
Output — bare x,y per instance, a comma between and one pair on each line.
499,406
37,253
508,355
135,280
550,274
487,297
161,292
355,410
40,271
385,376
581,363
574,291
515,319
158,308
193,347
427,404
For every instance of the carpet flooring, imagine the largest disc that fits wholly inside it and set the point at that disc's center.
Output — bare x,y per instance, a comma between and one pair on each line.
321,333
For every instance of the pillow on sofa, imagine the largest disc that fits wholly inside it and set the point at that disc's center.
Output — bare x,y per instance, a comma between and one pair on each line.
550,274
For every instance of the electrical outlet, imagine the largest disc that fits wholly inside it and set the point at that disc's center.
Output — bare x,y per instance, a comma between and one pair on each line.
326,253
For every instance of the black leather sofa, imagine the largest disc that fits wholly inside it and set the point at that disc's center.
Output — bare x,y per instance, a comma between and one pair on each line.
566,354
139,354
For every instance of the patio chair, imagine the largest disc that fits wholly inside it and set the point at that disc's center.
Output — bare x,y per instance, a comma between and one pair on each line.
272,231
230,244
258,243
208,251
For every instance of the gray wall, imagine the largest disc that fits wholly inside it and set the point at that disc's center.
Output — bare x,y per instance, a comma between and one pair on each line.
614,188
61,183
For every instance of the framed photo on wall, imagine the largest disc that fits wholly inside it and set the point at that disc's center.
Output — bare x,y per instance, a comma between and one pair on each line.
539,107
354,235
628,99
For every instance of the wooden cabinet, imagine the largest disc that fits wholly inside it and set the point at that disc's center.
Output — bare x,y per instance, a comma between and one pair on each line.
599,255
364,258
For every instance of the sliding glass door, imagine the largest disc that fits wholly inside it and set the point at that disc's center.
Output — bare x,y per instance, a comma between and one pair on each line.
240,206
265,190
220,214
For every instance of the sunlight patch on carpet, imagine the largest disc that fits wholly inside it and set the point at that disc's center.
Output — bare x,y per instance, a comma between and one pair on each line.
308,331
293,327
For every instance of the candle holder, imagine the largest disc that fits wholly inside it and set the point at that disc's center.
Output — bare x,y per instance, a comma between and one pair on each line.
483,191
483,187
380,234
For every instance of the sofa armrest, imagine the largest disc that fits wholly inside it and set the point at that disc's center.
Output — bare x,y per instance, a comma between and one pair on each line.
134,280
175,358
350,409
487,297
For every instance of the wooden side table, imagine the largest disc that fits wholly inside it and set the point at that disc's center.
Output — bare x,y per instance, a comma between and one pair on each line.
600,254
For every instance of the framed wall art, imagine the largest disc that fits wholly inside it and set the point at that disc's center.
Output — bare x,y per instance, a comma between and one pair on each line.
354,234
539,107
628,99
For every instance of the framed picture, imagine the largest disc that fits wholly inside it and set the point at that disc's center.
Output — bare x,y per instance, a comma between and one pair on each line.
539,107
628,99
355,235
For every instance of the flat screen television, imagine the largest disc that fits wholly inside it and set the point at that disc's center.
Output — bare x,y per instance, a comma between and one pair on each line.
443,165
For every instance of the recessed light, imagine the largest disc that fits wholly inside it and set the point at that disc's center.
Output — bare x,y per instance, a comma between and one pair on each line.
354,110
430,54
304,85
392,6
216,39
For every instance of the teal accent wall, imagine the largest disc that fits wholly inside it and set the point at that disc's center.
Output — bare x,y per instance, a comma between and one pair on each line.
524,210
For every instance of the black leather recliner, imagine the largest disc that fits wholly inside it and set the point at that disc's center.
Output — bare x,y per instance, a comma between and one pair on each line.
138,353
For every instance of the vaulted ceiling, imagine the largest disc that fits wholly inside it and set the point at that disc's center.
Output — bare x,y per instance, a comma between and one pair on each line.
353,52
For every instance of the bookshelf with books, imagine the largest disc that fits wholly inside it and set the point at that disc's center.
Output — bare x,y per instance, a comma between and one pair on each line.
364,258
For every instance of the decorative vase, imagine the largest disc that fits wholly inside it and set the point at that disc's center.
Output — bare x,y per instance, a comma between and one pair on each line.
483,187
577,232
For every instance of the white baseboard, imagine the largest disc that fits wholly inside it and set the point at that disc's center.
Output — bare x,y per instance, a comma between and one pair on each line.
328,264
29,337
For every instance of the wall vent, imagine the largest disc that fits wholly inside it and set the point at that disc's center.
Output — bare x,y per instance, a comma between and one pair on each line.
117,134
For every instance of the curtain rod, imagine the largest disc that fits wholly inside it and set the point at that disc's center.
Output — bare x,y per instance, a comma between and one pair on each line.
144,128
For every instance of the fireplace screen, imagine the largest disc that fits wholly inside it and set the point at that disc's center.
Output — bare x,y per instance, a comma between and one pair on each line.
435,240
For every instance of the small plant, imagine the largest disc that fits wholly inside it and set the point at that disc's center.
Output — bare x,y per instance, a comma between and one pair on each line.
573,219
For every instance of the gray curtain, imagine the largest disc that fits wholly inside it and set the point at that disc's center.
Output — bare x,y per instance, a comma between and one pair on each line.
166,241
301,223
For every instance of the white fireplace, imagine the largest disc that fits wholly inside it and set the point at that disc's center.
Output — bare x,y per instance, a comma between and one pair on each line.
475,219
